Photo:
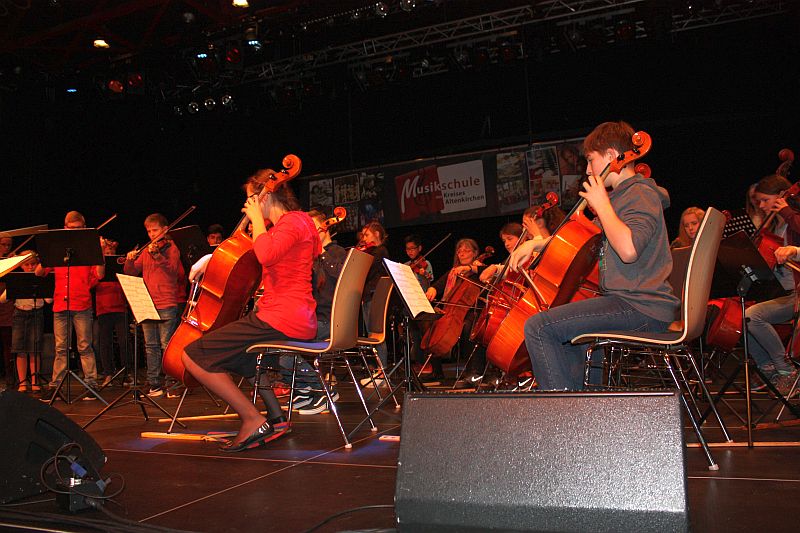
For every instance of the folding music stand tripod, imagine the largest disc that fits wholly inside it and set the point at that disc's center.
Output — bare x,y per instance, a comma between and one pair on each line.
741,270
70,248
27,285
137,295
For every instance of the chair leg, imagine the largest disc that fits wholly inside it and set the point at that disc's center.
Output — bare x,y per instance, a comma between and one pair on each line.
291,387
331,404
712,465
256,378
707,397
360,394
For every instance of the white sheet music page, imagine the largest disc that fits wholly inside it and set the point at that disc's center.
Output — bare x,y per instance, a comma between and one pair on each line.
7,264
407,284
138,297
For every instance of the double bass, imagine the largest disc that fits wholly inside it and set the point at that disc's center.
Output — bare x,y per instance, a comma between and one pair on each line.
565,270
232,275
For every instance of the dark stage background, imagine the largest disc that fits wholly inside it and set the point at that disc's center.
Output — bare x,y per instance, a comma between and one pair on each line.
719,104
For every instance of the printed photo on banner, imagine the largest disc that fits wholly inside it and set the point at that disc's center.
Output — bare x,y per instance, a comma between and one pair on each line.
351,222
320,193
369,211
543,174
512,184
345,189
371,185
572,166
570,186
418,193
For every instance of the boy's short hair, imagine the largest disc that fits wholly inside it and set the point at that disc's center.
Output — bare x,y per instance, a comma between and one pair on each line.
617,135
414,239
215,228
156,218
511,228
74,216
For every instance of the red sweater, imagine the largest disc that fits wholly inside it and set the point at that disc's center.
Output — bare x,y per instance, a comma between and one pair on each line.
287,252
109,298
163,275
81,280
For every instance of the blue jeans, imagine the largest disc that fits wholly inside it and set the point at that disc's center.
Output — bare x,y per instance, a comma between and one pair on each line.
156,337
82,321
558,364
763,342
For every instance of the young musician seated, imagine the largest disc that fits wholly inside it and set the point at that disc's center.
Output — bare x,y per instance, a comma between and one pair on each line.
765,345
690,223
285,311
635,263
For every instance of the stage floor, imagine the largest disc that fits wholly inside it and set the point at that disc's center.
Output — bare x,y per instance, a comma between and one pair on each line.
298,481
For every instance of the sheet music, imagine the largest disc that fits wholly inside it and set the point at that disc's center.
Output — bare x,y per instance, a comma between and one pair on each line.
138,297
8,264
407,284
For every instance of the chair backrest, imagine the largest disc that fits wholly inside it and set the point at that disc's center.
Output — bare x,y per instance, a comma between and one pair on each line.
376,321
347,300
680,263
699,273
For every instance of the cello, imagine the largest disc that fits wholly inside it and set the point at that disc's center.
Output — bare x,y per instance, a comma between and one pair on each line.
445,332
232,275
563,271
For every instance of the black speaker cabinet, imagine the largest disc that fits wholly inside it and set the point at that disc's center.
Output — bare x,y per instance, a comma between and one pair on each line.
33,433
583,462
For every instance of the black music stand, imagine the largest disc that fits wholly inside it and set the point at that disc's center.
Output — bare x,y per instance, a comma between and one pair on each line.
70,248
192,244
138,397
407,286
741,271
27,285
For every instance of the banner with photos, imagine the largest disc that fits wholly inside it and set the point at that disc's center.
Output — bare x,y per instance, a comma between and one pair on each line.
453,188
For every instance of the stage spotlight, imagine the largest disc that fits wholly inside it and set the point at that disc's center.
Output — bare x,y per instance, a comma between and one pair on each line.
240,3
177,110
135,80
625,30
209,103
408,5
233,55
226,101
381,9
101,43
193,108
115,86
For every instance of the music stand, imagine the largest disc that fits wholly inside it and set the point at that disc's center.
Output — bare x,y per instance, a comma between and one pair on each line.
143,309
741,271
27,285
416,307
70,248
192,244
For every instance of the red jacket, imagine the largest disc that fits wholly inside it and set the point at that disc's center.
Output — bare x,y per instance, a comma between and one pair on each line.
109,298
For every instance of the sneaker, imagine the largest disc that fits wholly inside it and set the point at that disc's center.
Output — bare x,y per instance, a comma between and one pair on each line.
300,401
468,381
155,392
318,405
106,381
128,381
786,382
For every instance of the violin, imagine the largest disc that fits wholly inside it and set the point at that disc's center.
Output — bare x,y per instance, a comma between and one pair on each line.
364,246
419,265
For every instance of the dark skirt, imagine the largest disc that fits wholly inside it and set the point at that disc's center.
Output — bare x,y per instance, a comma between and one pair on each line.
26,331
225,349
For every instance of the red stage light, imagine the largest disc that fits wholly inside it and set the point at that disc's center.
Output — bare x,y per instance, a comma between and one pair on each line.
233,55
115,86
135,80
